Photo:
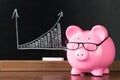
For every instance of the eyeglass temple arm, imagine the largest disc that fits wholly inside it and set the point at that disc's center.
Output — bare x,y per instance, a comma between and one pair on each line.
103,40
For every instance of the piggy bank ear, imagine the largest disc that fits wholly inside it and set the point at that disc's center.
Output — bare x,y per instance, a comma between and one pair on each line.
101,31
72,30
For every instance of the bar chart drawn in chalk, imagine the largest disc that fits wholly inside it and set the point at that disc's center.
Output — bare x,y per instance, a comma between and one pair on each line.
51,40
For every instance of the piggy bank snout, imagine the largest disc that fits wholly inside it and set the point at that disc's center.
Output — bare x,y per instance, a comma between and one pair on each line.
82,54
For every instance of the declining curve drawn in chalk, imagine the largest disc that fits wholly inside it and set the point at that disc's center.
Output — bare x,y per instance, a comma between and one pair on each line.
51,40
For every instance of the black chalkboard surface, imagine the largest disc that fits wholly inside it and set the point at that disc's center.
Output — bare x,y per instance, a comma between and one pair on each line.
26,25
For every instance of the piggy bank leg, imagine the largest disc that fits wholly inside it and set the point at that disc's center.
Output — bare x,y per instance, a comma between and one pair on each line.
106,71
97,72
75,72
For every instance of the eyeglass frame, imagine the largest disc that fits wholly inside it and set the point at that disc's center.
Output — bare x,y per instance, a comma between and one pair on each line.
88,43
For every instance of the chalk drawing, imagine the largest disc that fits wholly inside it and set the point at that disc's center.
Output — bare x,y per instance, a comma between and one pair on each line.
15,14
51,40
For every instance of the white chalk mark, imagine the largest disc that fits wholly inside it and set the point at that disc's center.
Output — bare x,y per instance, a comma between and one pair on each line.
60,15
48,40
15,15
59,35
52,59
51,40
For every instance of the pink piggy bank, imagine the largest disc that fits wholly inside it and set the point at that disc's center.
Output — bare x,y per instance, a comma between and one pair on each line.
89,51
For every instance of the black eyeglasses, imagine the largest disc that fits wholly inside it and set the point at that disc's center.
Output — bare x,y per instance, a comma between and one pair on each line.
87,45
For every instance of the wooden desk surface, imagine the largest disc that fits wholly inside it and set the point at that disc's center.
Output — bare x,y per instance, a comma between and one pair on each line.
54,76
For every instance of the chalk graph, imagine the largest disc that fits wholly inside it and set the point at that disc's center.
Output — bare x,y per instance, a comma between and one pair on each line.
51,40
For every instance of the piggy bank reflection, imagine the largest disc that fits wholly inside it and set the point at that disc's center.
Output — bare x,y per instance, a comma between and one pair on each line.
91,51
106,77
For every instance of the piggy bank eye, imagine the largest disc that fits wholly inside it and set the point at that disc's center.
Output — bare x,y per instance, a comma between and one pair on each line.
88,38
78,38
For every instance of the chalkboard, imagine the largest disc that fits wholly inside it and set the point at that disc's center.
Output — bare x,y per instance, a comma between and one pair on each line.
26,25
